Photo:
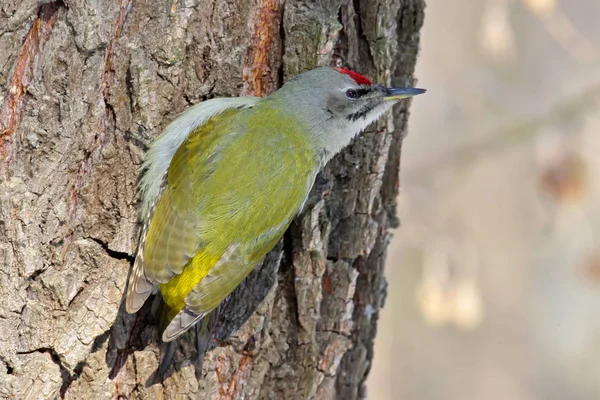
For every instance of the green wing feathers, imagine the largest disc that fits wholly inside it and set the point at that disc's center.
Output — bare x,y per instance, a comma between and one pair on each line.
232,190
171,240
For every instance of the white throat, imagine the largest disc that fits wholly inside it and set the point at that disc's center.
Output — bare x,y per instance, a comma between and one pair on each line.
334,134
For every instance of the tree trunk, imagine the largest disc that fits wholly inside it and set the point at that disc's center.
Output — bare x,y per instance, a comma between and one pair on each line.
85,86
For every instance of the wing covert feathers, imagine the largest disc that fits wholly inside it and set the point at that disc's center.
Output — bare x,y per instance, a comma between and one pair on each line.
173,239
222,278
163,149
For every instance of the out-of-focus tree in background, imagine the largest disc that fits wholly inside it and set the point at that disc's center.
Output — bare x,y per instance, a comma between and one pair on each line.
494,276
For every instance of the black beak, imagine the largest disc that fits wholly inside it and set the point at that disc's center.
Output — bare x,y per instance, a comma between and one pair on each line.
399,93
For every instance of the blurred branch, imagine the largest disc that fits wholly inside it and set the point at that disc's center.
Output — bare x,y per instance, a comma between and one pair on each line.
563,30
505,138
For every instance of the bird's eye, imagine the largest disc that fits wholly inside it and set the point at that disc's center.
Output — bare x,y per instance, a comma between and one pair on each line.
351,94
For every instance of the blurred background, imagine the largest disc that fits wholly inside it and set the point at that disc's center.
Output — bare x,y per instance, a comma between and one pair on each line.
494,275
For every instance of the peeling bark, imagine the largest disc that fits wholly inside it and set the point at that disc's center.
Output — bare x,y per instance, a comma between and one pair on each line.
14,102
85,85
261,69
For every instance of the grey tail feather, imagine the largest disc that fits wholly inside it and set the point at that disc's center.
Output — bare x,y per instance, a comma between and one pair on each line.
202,335
201,340
167,353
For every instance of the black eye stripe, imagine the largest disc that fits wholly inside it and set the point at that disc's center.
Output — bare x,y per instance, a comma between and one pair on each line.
362,92
356,93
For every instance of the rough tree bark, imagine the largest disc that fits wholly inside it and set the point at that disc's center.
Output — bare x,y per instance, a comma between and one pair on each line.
85,85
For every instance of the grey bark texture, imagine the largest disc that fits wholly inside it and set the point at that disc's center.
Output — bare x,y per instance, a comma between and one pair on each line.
85,85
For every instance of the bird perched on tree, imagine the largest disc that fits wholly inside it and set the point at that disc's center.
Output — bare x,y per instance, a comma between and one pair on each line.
225,179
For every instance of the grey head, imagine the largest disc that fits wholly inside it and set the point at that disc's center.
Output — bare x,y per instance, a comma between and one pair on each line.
336,104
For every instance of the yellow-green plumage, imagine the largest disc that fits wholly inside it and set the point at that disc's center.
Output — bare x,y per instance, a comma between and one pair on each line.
226,194
224,180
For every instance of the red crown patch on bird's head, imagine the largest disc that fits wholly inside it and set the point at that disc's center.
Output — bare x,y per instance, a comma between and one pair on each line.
358,78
